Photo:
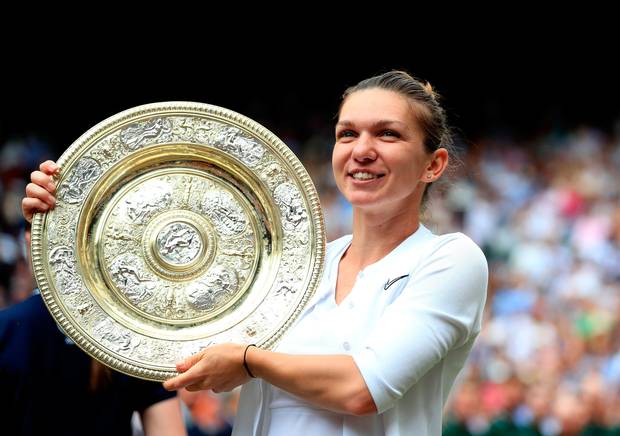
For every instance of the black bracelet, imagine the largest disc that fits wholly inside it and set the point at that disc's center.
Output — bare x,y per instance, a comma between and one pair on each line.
245,364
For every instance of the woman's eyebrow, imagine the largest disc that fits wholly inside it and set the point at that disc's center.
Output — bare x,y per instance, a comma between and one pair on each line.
376,124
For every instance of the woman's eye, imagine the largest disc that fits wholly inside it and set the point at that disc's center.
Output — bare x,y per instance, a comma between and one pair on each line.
345,134
389,133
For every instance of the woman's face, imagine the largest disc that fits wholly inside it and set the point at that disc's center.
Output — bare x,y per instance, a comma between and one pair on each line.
379,139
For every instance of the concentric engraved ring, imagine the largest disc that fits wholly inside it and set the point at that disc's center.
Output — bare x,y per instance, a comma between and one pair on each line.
177,225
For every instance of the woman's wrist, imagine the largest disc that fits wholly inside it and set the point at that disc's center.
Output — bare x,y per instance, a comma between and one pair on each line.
245,361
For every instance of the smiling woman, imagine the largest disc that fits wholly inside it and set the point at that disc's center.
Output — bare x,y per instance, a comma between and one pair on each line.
398,308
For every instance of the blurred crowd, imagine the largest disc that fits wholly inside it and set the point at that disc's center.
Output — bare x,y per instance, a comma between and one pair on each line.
546,212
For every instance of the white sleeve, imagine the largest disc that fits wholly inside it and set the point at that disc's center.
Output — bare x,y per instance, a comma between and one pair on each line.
439,309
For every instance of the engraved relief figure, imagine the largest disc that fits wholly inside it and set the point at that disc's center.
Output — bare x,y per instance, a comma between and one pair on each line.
179,243
61,230
156,351
226,137
108,151
232,140
273,175
184,128
297,245
224,211
138,134
74,189
166,303
185,185
67,283
200,296
140,205
62,259
289,200
187,190
242,253
248,150
285,290
135,283
122,232
204,132
62,262
115,339
288,285
219,285
223,279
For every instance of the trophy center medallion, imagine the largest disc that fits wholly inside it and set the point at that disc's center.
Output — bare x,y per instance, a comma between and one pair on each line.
178,244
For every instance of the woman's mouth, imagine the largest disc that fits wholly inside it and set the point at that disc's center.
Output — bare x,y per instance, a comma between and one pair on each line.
365,177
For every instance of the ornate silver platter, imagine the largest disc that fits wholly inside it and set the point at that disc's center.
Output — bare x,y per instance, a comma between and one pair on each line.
178,225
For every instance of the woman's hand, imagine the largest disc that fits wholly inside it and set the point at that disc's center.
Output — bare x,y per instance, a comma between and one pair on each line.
332,382
219,368
40,192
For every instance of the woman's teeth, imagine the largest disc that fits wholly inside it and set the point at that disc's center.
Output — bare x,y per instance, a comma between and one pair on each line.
364,176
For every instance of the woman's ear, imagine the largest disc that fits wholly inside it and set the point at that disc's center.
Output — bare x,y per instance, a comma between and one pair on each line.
437,165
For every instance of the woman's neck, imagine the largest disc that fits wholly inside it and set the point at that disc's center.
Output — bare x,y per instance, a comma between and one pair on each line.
376,235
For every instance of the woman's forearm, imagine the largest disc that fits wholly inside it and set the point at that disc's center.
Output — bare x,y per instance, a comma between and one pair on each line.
330,381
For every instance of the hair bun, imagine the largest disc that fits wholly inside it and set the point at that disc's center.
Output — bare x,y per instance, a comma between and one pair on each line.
429,88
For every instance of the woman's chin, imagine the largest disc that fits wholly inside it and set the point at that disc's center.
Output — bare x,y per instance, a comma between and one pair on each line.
366,203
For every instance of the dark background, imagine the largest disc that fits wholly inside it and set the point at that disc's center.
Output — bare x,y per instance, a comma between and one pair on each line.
516,91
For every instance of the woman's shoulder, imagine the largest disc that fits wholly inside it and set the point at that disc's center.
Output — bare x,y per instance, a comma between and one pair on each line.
459,246
455,261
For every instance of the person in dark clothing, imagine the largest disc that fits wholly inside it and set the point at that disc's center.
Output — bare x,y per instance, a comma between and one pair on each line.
50,386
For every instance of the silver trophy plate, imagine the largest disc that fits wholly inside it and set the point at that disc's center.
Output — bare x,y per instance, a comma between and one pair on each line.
177,226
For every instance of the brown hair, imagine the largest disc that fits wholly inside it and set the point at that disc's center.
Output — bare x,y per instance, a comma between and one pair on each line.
100,376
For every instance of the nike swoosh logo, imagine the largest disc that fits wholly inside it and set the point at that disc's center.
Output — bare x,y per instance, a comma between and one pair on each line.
391,282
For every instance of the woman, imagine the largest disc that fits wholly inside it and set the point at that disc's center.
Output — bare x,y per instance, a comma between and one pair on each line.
378,347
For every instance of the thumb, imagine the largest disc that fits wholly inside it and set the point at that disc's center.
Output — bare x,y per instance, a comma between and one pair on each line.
188,362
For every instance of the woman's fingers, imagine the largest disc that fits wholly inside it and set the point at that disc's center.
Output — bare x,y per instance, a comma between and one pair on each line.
39,193
187,363
49,167
191,377
42,179
32,205
36,191
219,368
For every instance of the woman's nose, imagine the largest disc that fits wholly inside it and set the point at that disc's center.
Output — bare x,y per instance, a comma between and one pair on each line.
364,148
